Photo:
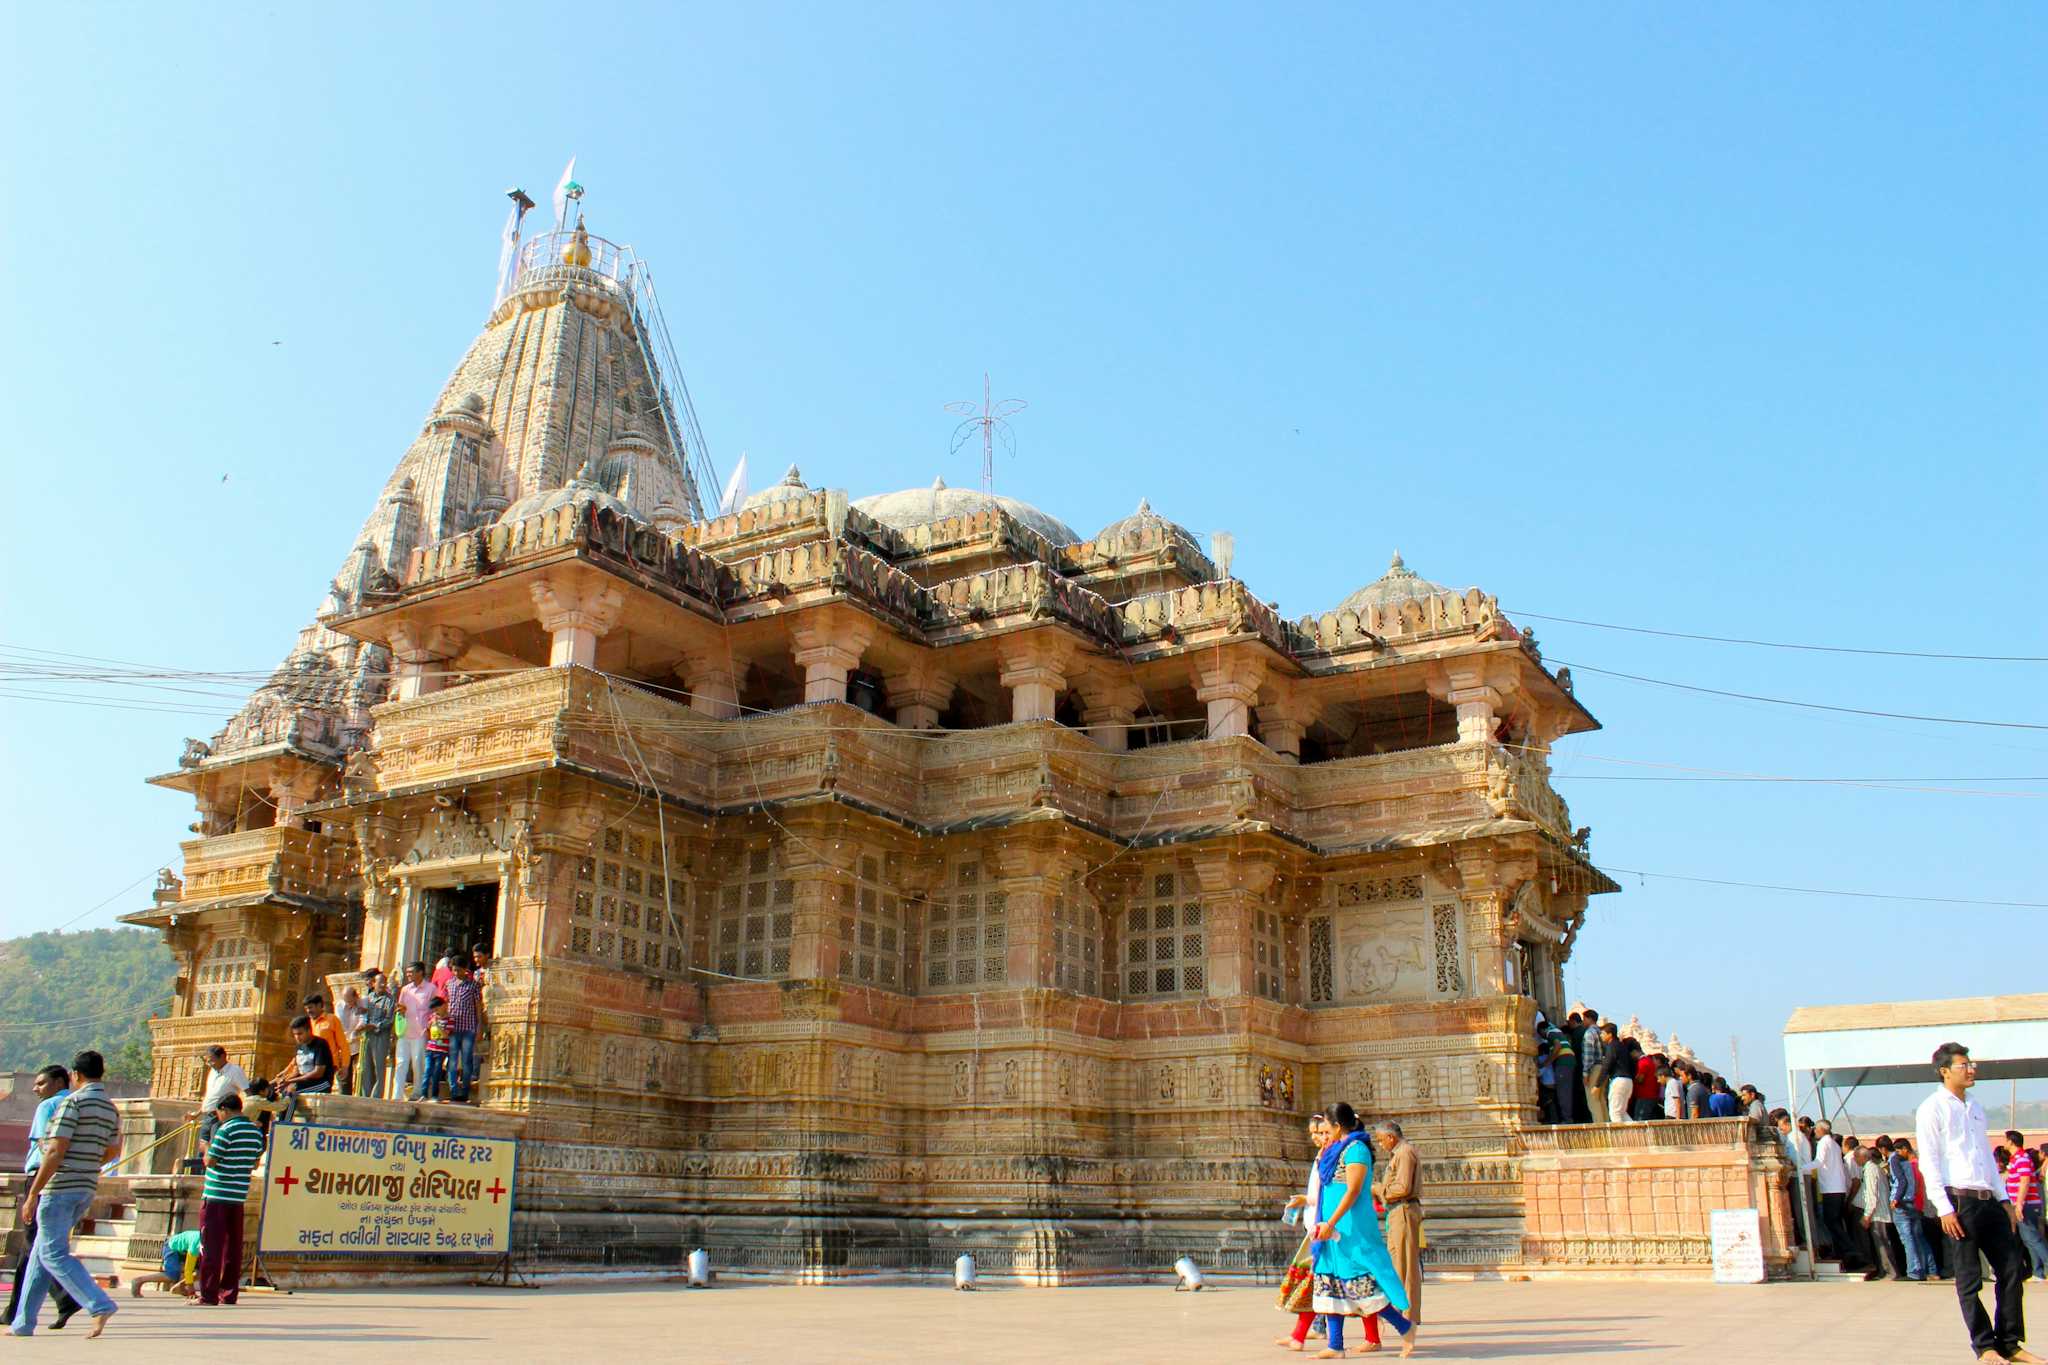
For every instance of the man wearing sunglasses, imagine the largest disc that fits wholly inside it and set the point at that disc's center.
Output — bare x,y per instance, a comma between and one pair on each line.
1966,1189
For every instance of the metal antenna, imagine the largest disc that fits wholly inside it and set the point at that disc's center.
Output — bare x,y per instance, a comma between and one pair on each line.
993,421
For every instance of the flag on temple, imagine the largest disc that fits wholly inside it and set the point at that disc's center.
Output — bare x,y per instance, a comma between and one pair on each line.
735,487
562,194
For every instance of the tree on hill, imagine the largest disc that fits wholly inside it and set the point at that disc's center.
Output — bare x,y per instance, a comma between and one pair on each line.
60,993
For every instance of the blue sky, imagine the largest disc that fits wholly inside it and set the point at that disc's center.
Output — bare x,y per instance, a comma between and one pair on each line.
1728,324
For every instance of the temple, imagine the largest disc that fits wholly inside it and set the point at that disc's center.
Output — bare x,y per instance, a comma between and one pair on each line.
873,879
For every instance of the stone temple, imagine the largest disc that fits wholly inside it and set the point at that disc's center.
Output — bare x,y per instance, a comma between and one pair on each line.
878,878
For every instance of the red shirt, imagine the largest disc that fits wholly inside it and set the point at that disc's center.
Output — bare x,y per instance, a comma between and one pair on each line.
1919,1187
2021,1168
1646,1082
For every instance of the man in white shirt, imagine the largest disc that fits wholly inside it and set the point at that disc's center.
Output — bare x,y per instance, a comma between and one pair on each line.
1965,1187
1831,1174
224,1078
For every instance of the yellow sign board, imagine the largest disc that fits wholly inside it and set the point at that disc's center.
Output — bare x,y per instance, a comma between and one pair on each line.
378,1192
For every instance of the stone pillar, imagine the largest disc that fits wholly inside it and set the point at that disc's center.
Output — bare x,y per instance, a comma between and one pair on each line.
828,648
1234,887
808,858
919,691
1031,870
423,653
575,618
1034,668
712,678
1229,684
1283,719
1109,705
292,792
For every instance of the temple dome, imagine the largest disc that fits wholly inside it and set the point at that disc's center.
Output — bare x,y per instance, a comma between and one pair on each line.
1398,584
581,489
921,506
1142,518
792,486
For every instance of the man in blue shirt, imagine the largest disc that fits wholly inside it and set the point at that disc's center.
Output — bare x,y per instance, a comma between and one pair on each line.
51,1084
1721,1102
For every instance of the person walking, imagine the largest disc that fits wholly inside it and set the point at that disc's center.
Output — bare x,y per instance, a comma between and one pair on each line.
1877,1214
1354,1277
84,1133
1298,1287
1951,1134
1398,1189
2023,1187
465,1021
50,1086
230,1161
374,1037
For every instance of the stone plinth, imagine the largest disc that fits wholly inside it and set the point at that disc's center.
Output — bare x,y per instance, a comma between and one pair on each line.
1635,1199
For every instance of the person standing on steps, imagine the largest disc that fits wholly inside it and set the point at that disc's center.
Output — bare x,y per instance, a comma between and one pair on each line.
1977,1216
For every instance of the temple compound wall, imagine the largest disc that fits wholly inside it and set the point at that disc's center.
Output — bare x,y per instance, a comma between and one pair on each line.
871,881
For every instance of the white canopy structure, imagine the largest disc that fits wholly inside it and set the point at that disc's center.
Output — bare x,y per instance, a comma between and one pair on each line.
1842,1047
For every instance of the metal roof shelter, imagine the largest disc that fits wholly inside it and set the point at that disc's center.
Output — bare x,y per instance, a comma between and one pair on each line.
1842,1047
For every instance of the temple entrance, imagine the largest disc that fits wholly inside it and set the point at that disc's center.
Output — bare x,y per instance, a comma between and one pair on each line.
457,916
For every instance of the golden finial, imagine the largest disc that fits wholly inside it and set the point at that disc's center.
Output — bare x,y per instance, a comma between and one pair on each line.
577,253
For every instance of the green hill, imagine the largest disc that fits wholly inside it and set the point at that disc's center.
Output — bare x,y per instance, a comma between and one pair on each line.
63,992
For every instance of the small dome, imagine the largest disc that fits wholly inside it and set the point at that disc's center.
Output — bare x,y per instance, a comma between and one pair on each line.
922,506
1398,584
1142,518
581,489
792,486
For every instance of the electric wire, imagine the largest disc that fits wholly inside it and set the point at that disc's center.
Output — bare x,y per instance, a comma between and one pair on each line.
1780,644
1806,705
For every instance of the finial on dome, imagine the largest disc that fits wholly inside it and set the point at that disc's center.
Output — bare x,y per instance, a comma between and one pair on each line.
939,484
1397,566
793,477
577,252
1144,507
585,473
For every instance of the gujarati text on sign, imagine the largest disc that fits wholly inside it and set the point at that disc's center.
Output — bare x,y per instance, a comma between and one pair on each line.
371,1191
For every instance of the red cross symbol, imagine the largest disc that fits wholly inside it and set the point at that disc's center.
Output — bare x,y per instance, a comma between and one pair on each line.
287,1180
496,1189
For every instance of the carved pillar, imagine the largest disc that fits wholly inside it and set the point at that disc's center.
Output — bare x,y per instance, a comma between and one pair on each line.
1283,719
291,792
1032,869
1229,684
376,845
919,691
828,646
1109,705
712,678
575,616
807,856
423,653
1034,668
1234,888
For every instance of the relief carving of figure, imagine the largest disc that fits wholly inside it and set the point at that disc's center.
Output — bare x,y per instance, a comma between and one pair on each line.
962,1080
1375,968
1063,1077
1013,1079
1287,1088
1266,1087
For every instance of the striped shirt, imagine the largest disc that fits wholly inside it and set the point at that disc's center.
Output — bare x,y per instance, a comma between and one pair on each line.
2021,1167
88,1119
232,1156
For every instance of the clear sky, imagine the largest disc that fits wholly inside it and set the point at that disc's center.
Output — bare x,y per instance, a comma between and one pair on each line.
1726,323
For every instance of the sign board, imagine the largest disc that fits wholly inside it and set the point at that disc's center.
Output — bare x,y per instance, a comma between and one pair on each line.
1738,1247
377,1192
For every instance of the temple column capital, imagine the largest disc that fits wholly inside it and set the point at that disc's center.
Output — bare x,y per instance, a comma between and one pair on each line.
575,617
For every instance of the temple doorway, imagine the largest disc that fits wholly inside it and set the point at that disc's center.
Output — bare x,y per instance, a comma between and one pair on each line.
457,916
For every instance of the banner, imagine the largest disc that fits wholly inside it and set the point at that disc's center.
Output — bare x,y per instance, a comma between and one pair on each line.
377,1192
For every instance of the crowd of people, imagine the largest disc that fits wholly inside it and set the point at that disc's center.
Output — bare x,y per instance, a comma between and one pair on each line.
1589,1070
1361,1248
419,1042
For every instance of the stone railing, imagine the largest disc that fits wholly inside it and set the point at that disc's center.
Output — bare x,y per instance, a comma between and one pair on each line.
1351,800
1443,613
501,722
1159,539
605,533
258,861
1521,787
1031,590
1638,1137
1221,606
807,511
990,525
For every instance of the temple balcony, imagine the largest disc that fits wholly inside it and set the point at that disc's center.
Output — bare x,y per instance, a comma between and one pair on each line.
276,863
942,779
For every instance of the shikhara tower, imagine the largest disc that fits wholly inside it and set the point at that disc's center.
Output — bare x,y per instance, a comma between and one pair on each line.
876,879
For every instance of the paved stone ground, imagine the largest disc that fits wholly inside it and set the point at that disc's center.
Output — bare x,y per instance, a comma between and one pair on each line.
1891,1324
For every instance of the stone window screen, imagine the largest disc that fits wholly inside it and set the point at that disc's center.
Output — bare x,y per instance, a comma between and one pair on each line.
619,914
871,919
755,921
1269,956
1077,941
1165,940
967,932
1322,960
1447,952
225,980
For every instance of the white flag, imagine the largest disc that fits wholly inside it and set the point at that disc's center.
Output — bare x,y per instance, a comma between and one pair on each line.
506,253
735,487
562,195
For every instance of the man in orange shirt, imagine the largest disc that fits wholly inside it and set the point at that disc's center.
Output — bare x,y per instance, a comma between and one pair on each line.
327,1028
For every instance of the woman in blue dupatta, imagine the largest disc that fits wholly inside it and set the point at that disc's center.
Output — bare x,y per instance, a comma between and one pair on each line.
1355,1277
